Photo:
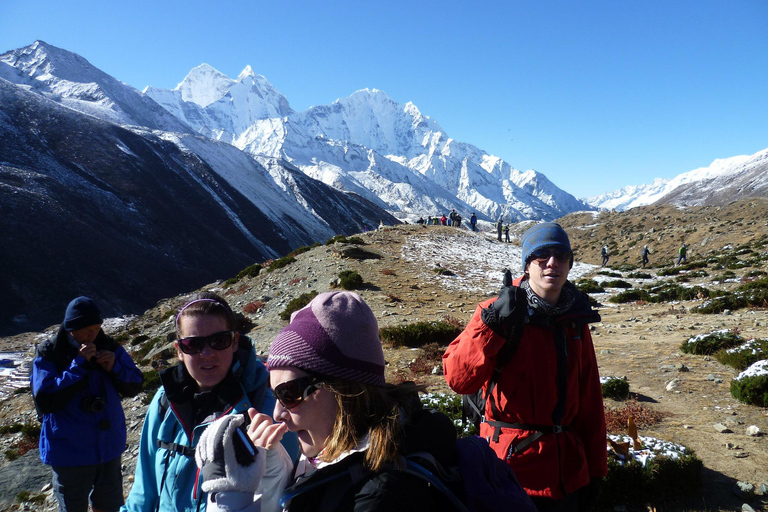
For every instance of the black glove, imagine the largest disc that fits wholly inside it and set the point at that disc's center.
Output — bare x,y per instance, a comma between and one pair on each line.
589,494
497,315
227,458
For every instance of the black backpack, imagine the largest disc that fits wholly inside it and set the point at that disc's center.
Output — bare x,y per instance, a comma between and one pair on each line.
473,405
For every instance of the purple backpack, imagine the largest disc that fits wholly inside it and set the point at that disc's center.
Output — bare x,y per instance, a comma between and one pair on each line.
488,483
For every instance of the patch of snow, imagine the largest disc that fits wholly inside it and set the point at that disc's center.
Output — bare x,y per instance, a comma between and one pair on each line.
758,369
652,448
477,260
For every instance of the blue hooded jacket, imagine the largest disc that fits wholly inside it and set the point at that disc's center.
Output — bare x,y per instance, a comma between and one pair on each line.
167,478
64,383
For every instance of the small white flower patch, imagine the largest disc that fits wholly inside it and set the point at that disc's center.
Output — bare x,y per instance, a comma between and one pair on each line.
652,448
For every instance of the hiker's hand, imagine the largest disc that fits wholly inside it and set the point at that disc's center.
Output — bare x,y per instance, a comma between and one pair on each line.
87,350
105,359
497,315
263,431
227,458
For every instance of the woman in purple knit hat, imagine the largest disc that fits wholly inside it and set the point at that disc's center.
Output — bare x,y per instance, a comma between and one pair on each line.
327,373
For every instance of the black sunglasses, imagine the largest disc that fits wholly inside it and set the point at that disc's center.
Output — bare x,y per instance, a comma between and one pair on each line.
543,255
217,341
292,393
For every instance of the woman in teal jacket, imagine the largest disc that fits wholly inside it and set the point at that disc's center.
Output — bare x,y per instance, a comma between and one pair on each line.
218,374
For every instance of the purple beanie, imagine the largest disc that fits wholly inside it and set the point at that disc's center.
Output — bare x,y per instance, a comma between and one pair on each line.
335,335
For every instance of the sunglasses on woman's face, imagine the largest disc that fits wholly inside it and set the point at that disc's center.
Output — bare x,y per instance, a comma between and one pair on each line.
217,341
543,255
292,393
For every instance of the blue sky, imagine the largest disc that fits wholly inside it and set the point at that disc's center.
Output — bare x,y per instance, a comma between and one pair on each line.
596,95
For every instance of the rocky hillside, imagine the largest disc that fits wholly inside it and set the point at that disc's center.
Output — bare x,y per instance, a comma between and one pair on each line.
417,273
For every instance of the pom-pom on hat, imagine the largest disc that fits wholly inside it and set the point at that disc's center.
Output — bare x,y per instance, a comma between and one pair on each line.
335,335
81,312
545,235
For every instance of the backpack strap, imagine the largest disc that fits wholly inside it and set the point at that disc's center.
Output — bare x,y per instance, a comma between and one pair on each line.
182,449
506,352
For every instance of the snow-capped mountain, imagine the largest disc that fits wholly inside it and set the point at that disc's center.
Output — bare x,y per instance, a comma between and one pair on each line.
368,143
72,81
218,107
127,214
724,181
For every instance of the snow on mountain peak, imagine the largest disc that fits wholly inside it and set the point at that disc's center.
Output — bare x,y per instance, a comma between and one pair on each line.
204,85
248,71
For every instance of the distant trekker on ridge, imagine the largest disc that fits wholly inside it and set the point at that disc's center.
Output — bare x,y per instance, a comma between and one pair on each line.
605,253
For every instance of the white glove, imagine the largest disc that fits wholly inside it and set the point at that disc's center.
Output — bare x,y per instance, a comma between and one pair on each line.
227,458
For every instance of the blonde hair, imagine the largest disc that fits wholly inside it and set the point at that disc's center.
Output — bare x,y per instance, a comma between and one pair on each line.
363,409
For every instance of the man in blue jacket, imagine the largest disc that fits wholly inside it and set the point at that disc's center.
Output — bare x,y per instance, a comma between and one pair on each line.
77,379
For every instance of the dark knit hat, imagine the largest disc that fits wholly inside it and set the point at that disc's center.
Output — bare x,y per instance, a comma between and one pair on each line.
546,235
82,312
335,335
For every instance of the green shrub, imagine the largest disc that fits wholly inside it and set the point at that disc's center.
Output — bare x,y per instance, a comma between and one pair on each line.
31,431
744,355
280,263
751,385
139,339
450,405
720,304
344,240
11,429
28,497
608,273
420,333
618,283
151,380
589,286
708,344
350,280
753,294
296,304
639,275
673,472
760,285
632,295
624,267
615,388
250,271
300,250
146,348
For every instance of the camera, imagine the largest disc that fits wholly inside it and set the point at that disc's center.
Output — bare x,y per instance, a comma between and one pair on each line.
92,404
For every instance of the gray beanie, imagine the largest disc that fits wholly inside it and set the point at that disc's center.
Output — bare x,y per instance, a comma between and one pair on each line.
546,235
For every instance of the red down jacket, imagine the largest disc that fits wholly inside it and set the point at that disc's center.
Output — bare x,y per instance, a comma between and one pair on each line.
527,393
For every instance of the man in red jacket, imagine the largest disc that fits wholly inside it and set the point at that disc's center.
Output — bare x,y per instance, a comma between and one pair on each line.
545,414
